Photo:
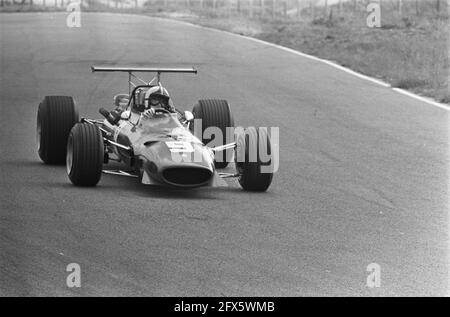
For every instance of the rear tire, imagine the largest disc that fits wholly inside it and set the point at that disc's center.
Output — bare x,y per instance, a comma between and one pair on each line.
215,113
85,155
56,116
251,143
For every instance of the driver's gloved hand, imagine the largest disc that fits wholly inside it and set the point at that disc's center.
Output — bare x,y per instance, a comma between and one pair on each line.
149,113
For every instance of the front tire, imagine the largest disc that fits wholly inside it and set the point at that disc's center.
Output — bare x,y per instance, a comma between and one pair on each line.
85,155
56,116
215,113
255,171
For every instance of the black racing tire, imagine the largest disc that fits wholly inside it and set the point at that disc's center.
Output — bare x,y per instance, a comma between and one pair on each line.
215,113
249,164
85,154
56,116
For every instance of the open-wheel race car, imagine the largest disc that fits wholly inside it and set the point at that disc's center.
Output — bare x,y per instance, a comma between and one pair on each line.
156,142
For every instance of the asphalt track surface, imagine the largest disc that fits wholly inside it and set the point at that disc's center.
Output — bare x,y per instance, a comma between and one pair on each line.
363,174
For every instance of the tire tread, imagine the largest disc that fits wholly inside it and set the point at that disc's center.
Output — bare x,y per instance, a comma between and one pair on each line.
215,112
88,155
58,114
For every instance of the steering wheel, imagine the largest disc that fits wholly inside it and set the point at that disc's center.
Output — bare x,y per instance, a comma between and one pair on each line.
162,110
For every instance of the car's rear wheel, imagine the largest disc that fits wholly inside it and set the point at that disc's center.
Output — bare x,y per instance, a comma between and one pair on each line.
85,155
56,116
215,113
253,159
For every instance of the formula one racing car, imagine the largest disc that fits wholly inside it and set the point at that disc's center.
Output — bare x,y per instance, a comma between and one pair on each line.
156,142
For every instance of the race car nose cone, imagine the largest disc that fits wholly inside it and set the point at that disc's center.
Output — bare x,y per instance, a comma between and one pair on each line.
187,176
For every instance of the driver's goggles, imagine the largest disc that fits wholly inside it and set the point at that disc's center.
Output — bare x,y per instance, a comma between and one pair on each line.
157,102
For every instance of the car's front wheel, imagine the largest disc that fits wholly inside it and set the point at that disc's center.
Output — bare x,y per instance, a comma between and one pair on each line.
56,116
253,159
85,155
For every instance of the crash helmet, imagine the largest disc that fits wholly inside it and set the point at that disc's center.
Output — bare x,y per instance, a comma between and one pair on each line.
157,97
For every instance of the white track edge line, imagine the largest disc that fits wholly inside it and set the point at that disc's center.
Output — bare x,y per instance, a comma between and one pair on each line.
315,58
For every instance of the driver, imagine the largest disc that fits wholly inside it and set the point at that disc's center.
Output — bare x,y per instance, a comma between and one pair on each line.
146,103
157,98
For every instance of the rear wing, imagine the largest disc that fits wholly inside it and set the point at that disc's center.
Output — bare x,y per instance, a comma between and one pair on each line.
143,70
131,70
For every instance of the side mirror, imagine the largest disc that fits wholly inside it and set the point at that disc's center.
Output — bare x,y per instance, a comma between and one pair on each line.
188,116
